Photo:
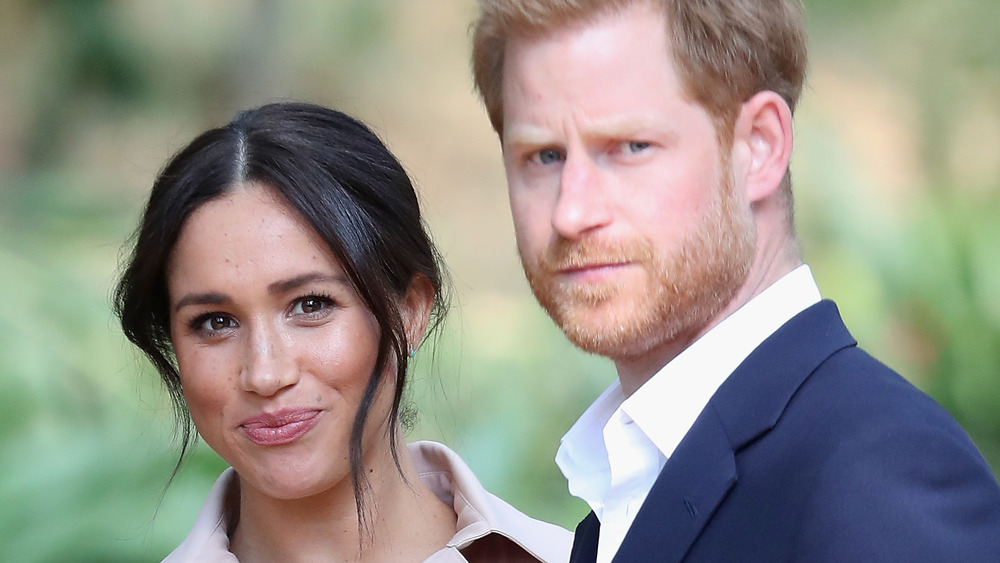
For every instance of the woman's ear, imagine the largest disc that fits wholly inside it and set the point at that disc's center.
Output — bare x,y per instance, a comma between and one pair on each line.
416,308
763,138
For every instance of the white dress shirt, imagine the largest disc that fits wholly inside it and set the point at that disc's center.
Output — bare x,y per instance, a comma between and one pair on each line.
615,451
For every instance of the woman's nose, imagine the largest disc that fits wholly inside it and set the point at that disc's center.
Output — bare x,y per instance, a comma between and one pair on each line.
269,364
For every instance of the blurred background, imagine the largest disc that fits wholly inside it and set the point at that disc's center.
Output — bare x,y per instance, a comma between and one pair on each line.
897,175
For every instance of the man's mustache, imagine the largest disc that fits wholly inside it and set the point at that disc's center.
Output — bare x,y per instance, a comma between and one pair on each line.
564,254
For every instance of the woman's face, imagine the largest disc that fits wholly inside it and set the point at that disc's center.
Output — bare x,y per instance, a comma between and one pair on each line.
274,346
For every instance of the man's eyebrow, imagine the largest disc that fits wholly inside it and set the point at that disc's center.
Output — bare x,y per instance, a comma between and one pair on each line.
529,135
617,127
526,135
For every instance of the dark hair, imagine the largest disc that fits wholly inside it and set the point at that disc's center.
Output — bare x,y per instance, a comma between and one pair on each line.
344,182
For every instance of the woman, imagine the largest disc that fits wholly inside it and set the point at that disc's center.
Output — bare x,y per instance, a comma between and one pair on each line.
280,281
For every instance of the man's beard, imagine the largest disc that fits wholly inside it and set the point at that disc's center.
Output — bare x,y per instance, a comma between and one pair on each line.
684,287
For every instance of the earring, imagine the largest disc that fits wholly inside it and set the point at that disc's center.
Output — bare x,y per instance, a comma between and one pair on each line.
412,352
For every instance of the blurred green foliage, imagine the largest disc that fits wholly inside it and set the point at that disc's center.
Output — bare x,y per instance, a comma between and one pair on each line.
96,95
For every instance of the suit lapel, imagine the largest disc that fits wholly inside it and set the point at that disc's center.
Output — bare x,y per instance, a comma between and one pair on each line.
687,492
702,470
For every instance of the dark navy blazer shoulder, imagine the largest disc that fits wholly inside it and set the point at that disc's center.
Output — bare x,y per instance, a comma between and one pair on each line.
812,450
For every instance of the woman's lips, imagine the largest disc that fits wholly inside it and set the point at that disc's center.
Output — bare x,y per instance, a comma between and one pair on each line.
281,427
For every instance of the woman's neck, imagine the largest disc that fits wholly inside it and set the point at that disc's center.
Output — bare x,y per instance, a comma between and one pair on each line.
406,521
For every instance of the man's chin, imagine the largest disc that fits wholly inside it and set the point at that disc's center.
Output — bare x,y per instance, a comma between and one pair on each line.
603,330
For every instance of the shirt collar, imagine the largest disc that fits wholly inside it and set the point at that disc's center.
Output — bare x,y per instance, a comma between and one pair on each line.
582,456
666,407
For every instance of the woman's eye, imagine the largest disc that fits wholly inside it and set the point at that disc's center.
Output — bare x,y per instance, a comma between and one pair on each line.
310,305
215,322
547,156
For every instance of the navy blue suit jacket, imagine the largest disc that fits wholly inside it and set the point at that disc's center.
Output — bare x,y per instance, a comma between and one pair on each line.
812,450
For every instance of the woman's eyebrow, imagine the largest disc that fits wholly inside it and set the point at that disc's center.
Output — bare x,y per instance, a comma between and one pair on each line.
210,298
275,288
285,286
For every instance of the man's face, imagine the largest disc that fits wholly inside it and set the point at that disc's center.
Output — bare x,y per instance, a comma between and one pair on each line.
632,232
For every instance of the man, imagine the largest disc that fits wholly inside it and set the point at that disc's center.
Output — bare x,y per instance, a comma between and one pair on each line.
646,145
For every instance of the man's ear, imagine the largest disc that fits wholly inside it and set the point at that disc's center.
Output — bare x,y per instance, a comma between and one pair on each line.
416,308
763,140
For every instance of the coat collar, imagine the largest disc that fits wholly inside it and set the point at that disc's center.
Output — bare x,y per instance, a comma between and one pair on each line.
697,478
479,513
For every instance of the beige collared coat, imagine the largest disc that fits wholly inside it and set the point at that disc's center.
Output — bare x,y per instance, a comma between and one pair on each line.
487,528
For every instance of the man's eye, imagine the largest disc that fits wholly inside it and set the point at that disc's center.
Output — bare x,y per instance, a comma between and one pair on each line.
632,147
547,156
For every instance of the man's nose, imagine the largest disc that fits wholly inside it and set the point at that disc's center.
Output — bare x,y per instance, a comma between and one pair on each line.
269,364
582,205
